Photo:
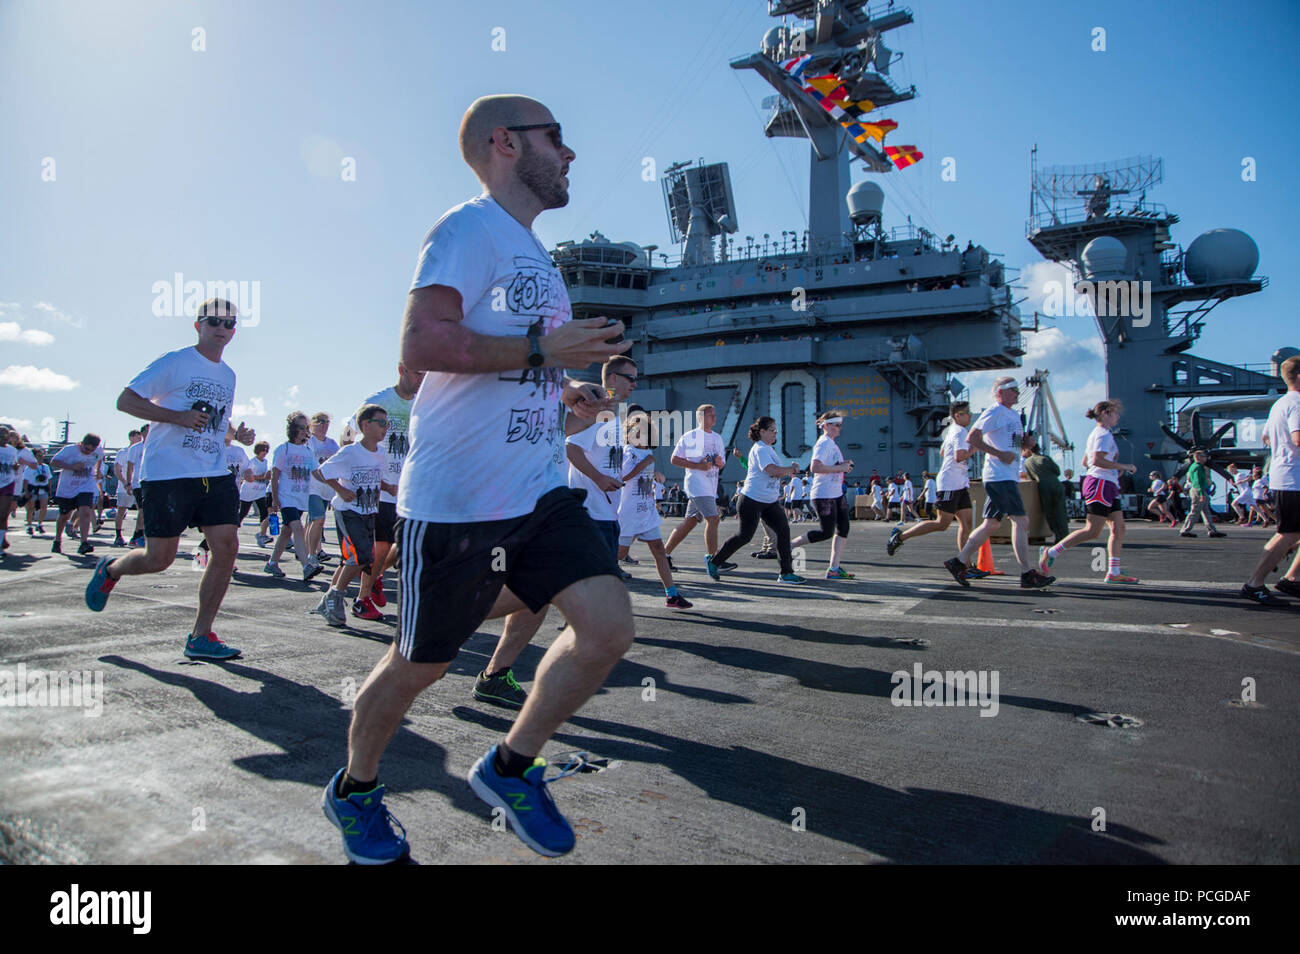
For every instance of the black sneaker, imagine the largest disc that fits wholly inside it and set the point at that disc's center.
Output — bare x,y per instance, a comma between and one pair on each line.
85,548
764,554
1261,596
1187,533
500,690
894,542
1289,587
1033,580
57,545
1217,533
726,566
958,571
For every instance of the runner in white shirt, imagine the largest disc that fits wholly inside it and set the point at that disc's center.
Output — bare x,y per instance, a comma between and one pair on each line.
125,499
638,519
895,499
37,482
130,459
1158,507
1282,437
951,486
292,465
998,434
183,477
930,494
1244,499
14,457
829,469
487,525
80,468
1259,493
760,499
701,454
1100,493
358,475
255,490
878,501
323,447
909,497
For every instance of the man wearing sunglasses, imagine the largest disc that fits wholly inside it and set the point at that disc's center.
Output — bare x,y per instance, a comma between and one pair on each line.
487,524
184,481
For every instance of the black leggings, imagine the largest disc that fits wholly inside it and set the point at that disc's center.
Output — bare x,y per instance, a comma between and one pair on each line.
833,512
772,514
263,508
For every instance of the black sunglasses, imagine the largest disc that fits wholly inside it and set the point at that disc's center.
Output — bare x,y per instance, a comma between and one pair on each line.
630,377
382,422
556,137
213,322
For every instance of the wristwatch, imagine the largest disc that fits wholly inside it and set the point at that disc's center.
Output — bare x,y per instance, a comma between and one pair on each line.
535,357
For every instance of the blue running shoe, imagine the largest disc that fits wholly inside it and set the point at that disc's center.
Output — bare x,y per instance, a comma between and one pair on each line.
209,647
527,804
712,568
367,826
100,585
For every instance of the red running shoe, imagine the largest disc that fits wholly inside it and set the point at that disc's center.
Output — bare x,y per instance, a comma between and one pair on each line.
364,609
377,593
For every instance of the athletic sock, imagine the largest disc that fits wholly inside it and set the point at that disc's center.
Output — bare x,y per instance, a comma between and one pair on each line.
670,591
1112,566
348,786
494,674
510,764
1056,551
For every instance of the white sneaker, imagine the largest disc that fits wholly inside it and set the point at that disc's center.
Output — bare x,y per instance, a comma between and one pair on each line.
273,569
631,561
312,567
338,615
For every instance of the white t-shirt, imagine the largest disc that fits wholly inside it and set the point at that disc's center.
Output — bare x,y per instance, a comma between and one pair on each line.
909,492
119,464
1003,431
695,445
256,489
1260,489
759,486
1158,486
236,461
604,446
360,471
1101,441
295,463
487,446
1283,418
636,505
38,477
658,490
177,381
895,492
77,474
800,485
1241,483
954,474
930,496
397,439
827,486
132,455
323,451
877,490
12,463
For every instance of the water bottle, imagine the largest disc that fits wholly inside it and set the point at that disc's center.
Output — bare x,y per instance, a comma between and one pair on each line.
273,524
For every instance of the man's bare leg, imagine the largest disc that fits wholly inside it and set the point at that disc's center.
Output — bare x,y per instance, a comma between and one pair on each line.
711,533
223,546
521,626
679,534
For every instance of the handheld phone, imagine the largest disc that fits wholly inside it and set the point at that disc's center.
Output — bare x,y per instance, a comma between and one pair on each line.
617,339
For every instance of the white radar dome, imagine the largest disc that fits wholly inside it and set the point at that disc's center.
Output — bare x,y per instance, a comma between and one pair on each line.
866,199
1104,257
1221,255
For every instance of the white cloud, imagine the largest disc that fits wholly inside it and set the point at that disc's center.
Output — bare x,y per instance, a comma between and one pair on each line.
46,308
1060,353
291,398
254,408
30,378
19,423
10,331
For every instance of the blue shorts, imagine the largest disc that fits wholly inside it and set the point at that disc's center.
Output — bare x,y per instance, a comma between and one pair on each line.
316,507
1002,499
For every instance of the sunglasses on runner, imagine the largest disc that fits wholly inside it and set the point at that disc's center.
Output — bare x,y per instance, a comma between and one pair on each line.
213,322
629,377
556,138
381,421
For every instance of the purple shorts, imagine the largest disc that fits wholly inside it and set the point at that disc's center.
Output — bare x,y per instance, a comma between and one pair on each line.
1101,496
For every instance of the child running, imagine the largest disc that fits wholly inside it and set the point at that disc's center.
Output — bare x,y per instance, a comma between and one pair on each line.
1100,493
637,517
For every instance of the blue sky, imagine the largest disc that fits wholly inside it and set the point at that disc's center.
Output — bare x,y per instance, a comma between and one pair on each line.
224,164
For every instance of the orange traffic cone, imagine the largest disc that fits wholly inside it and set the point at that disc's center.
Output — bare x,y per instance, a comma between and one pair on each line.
985,560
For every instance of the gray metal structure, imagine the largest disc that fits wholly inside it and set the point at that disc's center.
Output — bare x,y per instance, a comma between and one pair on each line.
849,313
1149,296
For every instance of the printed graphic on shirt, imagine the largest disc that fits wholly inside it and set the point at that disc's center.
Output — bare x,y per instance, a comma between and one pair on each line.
215,399
532,296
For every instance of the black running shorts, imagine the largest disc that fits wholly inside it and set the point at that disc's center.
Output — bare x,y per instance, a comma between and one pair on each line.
172,506
950,501
1287,503
452,573
386,523
69,504
356,537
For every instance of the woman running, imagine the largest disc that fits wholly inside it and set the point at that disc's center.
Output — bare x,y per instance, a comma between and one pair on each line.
760,500
828,468
637,517
953,485
14,458
1100,493
1159,494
